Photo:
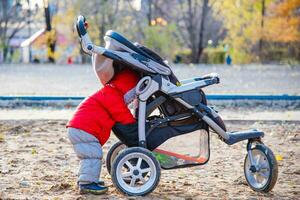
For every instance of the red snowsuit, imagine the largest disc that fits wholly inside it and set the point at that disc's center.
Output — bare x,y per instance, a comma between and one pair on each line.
98,113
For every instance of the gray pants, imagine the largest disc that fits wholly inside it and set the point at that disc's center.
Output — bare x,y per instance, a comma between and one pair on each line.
89,151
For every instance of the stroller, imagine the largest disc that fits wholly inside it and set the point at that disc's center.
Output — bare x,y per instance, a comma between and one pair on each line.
167,109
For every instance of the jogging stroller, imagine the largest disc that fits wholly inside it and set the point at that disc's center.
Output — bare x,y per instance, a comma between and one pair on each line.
168,108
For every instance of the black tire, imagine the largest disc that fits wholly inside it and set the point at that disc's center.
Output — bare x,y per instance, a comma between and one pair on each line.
132,153
111,154
273,168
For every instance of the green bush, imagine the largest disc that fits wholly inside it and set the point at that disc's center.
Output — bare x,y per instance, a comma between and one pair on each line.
182,56
280,55
213,56
162,40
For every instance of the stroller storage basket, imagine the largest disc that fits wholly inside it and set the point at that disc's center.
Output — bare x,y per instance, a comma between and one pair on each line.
171,143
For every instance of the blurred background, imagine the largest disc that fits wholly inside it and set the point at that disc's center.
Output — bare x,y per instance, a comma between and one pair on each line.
183,31
254,45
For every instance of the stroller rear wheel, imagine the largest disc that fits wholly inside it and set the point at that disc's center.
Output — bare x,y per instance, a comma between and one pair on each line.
263,175
112,154
128,165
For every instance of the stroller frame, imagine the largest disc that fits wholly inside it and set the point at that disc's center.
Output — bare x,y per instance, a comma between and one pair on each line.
157,81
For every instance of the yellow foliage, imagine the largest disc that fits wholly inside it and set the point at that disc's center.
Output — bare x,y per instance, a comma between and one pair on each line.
63,23
243,21
287,8
283,22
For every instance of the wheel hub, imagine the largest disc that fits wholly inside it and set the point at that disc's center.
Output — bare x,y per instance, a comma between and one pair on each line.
136,172
253,169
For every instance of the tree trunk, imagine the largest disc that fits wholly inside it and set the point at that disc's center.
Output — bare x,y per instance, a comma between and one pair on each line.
52,49
260,45
194,55
102,28
51,40
201,31
192,31
149,14
5,52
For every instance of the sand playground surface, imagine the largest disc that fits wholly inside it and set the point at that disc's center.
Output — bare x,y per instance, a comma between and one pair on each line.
37,162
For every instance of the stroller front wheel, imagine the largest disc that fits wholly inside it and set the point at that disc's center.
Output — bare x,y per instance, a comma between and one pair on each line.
263,175
140,166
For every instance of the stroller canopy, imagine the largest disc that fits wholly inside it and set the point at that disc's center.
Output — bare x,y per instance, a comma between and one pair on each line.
155,64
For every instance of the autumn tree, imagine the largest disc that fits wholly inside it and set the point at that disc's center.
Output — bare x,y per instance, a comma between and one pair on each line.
63,23
282,29
102,15
193,16
261,30
195,23
11,22
242,20
283,22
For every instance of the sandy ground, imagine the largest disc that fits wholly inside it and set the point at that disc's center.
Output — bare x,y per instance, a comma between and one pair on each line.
37,162
79,80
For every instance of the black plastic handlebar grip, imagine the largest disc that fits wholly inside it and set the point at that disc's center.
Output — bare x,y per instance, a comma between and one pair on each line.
81,30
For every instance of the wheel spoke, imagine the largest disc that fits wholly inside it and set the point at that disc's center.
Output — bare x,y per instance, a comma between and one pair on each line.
263,175
142,179
264,166
126,174
145,170
139,163
261,179
257,160
258,178
129,164
255,177
132,182
264,169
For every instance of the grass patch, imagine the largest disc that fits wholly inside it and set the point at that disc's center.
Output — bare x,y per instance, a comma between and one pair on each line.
33,151
2,138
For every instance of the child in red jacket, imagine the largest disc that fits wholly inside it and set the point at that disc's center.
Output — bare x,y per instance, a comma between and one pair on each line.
94,118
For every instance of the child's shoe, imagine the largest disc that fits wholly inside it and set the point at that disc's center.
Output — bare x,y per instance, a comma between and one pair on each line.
100,182
92,188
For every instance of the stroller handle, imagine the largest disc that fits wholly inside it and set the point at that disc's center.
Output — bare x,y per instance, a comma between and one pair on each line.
80,26
86,43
